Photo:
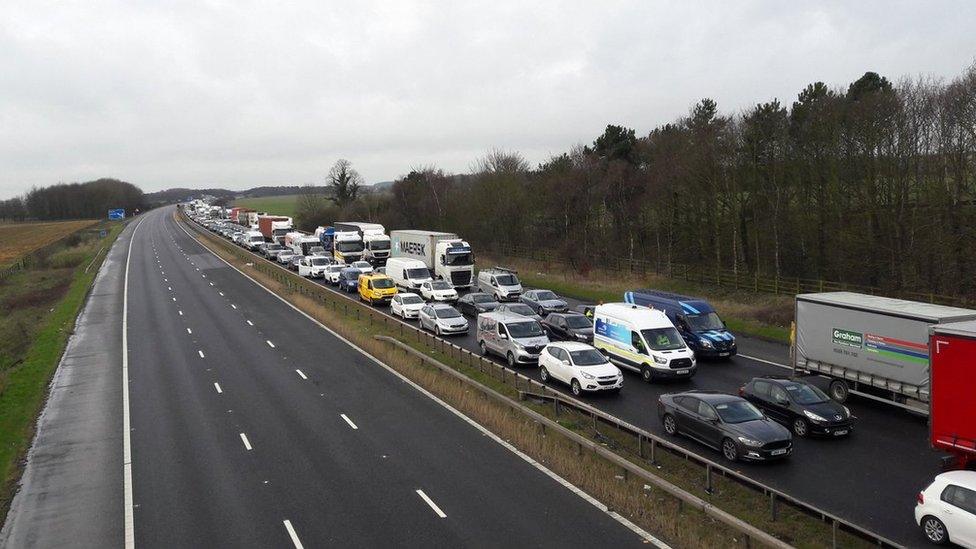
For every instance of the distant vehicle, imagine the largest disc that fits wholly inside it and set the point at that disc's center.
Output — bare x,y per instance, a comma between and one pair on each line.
518,339
446,255
580,366
332,273
569,327
476,303
253,239
946,510
349,279
363,266
642,340
408,273
952,416
285,256
380,270
406,305
728,423
438,290
442,319
347,246
274,227
374,288
319,251
519,309
313,267
799,405
501,283
695,319
301,243
376,243
271,250
295,262
544,302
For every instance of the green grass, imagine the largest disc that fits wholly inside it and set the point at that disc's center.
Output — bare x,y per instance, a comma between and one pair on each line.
276,205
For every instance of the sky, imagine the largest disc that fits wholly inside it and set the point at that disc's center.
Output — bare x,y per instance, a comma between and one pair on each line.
238,94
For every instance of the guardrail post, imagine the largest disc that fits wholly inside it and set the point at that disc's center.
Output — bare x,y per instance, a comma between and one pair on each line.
708,478
653,452
773,508
833,534
640,445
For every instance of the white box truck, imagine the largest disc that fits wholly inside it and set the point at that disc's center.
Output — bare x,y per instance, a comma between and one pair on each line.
869,345
376,243
446,255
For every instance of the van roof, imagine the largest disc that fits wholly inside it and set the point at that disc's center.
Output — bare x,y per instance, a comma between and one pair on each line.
406,261
639,316
687,305
506,316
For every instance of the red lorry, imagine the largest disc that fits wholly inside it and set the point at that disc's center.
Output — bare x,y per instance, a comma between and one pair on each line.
235,213
274,227
952,384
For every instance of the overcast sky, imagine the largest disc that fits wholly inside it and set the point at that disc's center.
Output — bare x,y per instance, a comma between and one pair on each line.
238,94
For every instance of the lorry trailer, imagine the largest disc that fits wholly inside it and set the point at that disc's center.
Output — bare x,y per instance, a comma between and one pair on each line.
952,415
274,227
446,255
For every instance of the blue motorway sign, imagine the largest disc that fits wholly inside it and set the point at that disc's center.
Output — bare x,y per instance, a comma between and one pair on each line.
116,214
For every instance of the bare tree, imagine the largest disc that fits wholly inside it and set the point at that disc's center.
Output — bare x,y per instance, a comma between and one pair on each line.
344,181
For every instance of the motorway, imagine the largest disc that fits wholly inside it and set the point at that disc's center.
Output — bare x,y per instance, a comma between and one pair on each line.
870,478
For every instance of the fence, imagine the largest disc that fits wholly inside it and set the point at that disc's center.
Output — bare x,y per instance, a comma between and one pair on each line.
647,444
31,258
728,278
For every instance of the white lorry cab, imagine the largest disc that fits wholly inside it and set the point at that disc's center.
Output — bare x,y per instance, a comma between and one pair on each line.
642,340
501,283
515,337
407,273
252,239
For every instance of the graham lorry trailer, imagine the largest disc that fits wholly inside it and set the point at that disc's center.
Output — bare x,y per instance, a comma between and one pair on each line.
274,227
876,347
446,256
376,244
952,380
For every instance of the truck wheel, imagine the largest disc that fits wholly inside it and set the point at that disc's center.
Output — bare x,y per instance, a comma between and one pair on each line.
839,390
646,373
800,427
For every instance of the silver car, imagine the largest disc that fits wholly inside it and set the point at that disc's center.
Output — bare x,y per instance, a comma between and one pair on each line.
442,319
544,302
518,309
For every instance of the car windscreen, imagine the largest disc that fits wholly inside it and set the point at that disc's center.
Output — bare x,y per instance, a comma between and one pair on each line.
545,295
275,247
257,239
350,275
578,322
587,357
704,322
447,312
440,285
802,393
481,298
663,339
412,300
381,245
524,329
737,411
382,283
520,309
507,280
459,259
420,272
349,246
319,261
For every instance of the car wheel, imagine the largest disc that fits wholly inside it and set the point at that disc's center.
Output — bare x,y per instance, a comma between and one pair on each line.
484,348
839,390
670,425
730,450
800,427
934,530
646,373
511,360
542,312
544,374
575,386
437,330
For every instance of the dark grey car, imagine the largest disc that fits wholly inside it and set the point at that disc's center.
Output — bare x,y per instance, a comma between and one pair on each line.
727,423
569,327
476,303
544,302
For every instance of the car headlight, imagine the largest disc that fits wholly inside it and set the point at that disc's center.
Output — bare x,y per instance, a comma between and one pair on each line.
813,416
706,344
750,442
660,360
587,376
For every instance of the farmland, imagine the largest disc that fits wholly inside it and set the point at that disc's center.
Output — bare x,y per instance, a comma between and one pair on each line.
19,239
278,205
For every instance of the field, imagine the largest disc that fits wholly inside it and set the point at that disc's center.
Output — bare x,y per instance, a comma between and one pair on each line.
277,205
19,239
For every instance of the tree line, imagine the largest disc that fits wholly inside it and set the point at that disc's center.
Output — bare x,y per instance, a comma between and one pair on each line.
872,183
87,200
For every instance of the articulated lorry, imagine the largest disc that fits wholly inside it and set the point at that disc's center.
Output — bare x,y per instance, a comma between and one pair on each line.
376,243
873,346
301,243
347,246
952,380
274,227
446,255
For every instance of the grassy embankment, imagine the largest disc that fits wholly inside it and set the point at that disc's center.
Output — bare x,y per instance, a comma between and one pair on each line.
38,308
19,239
277,205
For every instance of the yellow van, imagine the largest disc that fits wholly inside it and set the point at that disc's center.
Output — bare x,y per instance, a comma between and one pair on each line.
376,288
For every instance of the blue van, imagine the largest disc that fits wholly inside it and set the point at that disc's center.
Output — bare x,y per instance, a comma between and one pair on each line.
695,319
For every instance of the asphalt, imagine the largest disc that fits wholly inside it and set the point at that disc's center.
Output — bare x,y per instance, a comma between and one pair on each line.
870,478
295,391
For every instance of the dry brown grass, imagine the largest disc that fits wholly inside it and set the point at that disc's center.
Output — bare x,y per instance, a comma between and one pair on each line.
20,239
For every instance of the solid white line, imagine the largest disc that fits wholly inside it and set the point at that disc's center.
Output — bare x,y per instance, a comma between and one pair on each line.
301,374
349,421
474,424
430,502
270,344
293,535
201,354
247,443
234,306
217,386
764,361
189,331
249,323
130,539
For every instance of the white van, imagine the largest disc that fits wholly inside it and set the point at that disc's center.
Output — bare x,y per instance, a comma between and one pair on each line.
407,273
515,337
501,283
642,340
253,239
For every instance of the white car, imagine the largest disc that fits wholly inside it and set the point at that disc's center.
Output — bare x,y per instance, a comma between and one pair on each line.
407,305
580,366
946,510
313,266
363,266
331,273
438,290
442,319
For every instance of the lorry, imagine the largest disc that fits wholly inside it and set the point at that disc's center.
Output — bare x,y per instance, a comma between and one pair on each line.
274,227
876,347
326,236
300,242
446,255
238,215
376,243
347,246
952,416
695,319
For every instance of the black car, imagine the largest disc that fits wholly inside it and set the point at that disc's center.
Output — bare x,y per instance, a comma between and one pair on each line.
569,327
799,405
727,423
475,303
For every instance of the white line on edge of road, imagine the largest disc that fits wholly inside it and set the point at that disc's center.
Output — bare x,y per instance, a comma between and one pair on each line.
221,293
430,502
349,421
301,374
181,313
217,386
201,354
247,443
268,341
189,331
764,361
293,535
130,539
249,323
474,424
233,306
